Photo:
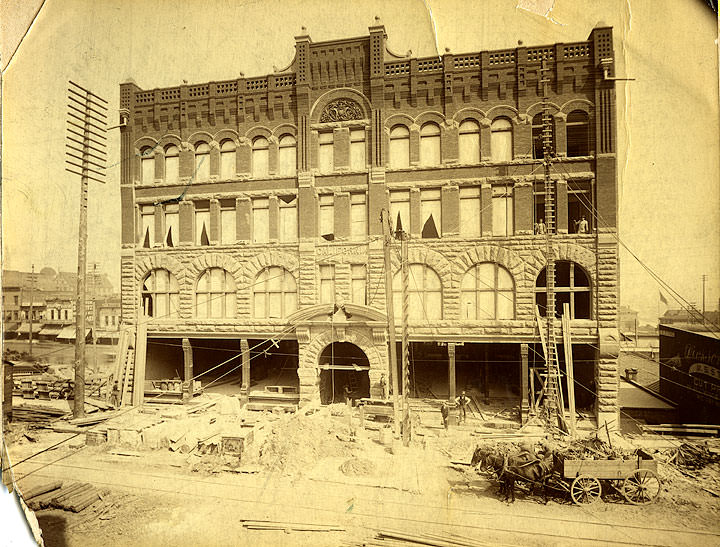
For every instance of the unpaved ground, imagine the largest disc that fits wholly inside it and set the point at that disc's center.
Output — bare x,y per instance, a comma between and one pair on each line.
312,469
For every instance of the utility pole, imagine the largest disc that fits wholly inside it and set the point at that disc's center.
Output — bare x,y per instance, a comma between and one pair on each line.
390,310
94,312
405,270
87,119
32,295
704,279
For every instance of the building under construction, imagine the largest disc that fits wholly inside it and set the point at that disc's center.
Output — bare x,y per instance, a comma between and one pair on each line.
252,241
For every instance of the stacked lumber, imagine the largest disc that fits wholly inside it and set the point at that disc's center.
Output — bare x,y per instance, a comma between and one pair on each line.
289,526
73,497
394,538
682,429
95,419
36,413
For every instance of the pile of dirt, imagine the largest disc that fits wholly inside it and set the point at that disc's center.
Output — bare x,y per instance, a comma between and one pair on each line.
294,443
357,466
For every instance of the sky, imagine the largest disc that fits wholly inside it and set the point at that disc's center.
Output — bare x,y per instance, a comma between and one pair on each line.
668,119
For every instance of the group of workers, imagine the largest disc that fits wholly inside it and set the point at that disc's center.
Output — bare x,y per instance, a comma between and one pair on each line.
581,226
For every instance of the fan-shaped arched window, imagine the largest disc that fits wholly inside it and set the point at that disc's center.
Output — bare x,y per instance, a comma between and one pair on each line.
287,156
488,292
160,295
260,157
215,294
430,144
147,165
424,293
501,140
172,163
469,142
227,159
202,161
578,134
399,152
572,286
274,293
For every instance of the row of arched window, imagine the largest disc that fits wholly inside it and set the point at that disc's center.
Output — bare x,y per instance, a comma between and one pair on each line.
577,137
487,291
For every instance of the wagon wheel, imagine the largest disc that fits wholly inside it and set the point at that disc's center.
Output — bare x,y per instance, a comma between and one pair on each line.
641,487
585,489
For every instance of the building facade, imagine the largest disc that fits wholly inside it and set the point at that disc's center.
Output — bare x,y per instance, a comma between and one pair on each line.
251,218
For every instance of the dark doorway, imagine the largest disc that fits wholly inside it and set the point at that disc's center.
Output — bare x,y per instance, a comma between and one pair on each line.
343,364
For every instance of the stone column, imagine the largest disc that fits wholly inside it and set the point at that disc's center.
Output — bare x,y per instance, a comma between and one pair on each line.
486,204
561,204
245,351
606,379
524,403
451,369
188,369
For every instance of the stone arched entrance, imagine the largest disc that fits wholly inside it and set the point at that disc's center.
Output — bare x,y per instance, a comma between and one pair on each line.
344,371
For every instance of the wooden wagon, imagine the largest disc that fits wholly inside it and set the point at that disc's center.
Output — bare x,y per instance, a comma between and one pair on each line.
636,479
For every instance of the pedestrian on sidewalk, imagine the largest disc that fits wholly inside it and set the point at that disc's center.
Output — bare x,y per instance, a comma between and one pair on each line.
463,402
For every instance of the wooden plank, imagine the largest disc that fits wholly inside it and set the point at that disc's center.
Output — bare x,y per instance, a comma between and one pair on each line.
605,469
126,377
569,369
140,357
43,489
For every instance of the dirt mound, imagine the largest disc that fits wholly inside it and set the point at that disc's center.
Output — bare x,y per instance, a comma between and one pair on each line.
357,466
295,443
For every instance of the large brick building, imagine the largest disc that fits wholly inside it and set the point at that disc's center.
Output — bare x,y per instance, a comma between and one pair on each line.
251,207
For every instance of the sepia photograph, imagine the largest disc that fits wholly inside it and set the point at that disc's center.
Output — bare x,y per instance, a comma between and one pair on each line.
367,273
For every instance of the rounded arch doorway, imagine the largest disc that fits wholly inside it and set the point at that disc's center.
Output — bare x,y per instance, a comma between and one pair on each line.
343,365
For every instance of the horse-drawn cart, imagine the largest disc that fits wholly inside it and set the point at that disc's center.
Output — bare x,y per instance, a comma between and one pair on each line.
636,479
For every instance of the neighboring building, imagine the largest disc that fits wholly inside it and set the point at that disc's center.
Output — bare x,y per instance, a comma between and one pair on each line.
627,319
277,234
692,320
690,373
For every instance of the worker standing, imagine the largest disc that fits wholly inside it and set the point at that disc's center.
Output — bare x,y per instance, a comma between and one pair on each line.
445,412
383,386
463,402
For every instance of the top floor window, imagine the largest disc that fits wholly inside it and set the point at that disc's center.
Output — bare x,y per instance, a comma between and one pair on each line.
147,164
260,157
399,152
227,159
202,161
469,142
357,150
537,136
326,160
578,134
172,163
287,155
501,140
430,144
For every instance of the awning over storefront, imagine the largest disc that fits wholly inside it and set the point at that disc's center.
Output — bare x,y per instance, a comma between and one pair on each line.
25,328
11,327
50,330
68,333
113,334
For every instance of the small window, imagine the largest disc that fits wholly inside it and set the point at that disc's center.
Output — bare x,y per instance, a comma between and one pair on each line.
430,213
326,160
358,217
430,144
501,140
288,229
202,161
399,153
260,220
260,157
227,159
172,163
327,216
502,210
358,284
469,142
470,212
287,156
578,134
327,283
357,150
147,164
172,225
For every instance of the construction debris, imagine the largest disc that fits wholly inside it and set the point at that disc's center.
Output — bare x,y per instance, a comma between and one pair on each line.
692,456
73,497
290,526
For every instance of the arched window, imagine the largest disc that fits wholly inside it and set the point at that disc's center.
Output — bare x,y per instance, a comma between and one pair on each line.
537,136
399,153
572,286
215,294
160,295
287,156
202,161
430,144
488,292
227,159
274,293
172,163
501,140
578,134
424,293
260,157
469,142
147,165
